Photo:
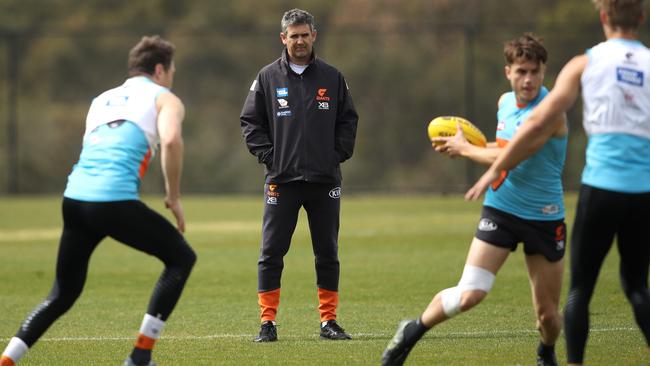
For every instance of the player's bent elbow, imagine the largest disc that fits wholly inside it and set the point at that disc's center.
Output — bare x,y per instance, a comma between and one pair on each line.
172,144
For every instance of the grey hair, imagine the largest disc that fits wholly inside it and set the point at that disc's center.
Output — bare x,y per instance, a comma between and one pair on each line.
297,17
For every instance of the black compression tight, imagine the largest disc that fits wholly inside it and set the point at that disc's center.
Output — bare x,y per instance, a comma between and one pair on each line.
85,224
601,215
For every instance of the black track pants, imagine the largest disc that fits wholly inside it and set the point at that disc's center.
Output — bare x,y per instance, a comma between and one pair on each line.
85,224
602,215
282,203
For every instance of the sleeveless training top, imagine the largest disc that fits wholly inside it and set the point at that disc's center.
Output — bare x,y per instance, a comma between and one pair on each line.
121,137
532,190
616,116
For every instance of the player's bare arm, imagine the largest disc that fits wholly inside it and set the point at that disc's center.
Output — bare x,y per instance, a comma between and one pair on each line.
170,118
545,121
458,146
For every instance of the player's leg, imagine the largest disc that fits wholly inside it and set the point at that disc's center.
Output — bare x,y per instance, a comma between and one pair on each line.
483,262
544,245
76,246
593,233
635,259
282,203
490,247
546,283
136,225
323,207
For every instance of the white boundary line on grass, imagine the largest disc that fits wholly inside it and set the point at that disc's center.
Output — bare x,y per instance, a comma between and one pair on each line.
361,335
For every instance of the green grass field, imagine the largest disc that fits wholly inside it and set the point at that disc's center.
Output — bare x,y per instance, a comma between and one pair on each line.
396,253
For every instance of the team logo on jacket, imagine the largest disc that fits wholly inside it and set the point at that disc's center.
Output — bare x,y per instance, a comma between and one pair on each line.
282,92
321,95
335,193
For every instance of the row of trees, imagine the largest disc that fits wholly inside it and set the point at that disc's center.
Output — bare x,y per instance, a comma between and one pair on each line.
405,62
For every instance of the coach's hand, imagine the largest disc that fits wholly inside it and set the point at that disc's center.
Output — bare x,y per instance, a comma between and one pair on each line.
177,209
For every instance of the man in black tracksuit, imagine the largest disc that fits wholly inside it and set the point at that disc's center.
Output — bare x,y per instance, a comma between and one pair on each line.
299,120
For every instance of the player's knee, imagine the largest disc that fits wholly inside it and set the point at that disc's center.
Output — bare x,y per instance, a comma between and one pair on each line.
191,259
472,288
548,317
184,259
471,298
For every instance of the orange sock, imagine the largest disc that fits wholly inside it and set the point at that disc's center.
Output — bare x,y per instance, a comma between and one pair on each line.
269,302
328,301
6,361
144,342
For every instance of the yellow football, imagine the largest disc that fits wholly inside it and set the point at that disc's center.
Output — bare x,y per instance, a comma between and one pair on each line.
445,126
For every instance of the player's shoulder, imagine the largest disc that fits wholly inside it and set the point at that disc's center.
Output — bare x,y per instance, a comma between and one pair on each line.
505,99
272,67
168,98
326,68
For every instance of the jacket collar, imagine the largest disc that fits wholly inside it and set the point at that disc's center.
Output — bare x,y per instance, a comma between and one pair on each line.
285,60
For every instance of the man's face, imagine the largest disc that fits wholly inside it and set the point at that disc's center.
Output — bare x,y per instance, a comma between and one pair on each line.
299,40
526,78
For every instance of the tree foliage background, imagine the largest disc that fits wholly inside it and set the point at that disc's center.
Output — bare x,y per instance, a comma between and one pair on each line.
405,62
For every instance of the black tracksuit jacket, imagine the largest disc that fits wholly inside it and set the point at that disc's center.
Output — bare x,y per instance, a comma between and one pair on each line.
301,127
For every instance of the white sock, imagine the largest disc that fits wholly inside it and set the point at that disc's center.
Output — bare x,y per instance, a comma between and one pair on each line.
16,349
151,326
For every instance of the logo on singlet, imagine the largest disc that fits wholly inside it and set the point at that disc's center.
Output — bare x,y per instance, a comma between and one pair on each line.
629,76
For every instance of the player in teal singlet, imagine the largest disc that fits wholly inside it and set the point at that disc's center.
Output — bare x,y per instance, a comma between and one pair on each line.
614,199
124,127
525,205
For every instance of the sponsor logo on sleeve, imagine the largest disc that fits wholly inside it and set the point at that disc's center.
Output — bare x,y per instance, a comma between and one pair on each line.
284,113
323,105
282,92
629,76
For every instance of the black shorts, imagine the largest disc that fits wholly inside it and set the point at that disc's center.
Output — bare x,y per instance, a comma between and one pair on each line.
505,230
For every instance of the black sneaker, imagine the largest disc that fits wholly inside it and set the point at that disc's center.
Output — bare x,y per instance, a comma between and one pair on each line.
268,332
397,350
331,330
546,355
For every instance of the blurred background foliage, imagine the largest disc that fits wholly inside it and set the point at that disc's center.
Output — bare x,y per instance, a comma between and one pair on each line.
405,62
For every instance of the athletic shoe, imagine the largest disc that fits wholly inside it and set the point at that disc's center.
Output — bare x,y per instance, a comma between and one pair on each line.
268,332
546,357
397,350
331,330
129,362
